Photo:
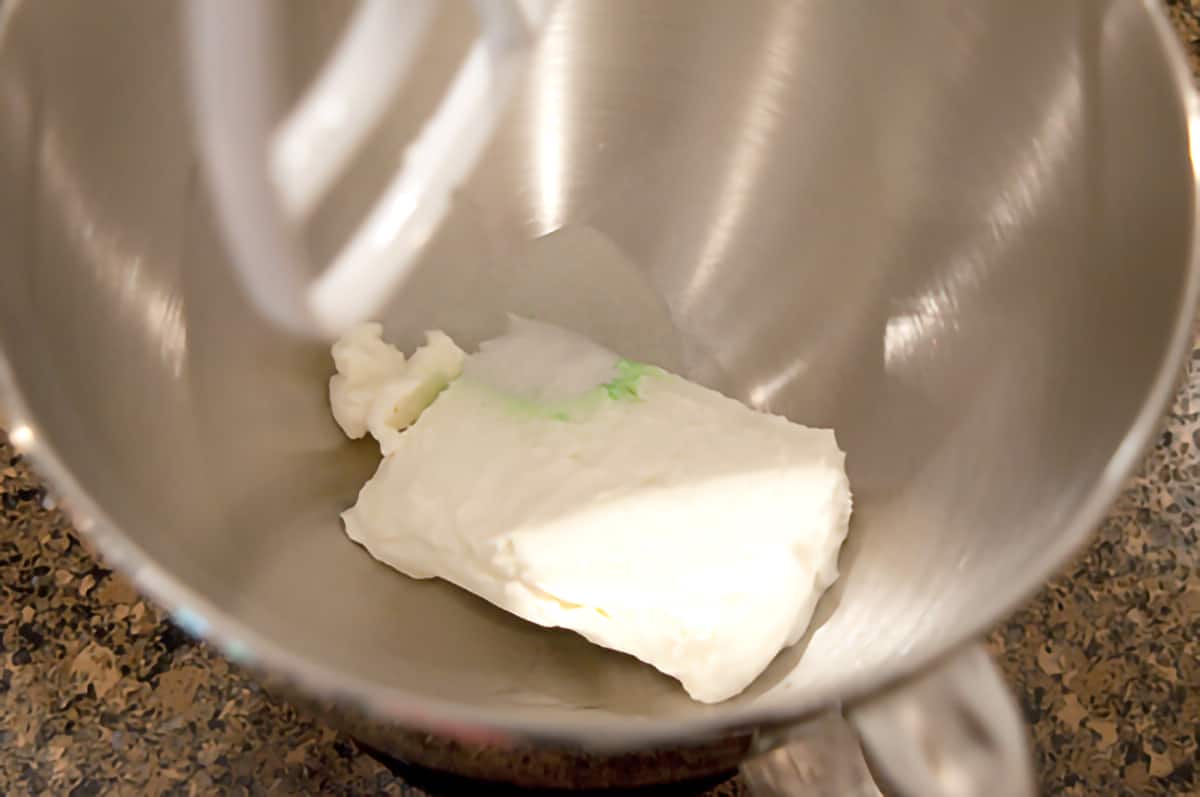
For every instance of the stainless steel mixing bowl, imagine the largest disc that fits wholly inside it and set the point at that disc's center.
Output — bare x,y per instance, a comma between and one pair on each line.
961,234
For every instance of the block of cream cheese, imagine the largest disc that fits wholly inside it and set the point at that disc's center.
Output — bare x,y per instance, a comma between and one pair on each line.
580,490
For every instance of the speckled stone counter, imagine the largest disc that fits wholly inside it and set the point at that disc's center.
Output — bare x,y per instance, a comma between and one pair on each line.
100,694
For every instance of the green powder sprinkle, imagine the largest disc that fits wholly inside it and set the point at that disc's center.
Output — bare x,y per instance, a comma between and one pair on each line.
625,386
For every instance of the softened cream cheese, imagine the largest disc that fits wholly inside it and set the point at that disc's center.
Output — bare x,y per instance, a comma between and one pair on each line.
580,490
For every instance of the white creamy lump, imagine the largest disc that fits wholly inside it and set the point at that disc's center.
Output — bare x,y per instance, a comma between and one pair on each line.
579,490
376,391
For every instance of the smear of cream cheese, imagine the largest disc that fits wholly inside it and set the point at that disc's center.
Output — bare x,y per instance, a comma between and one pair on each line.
580,490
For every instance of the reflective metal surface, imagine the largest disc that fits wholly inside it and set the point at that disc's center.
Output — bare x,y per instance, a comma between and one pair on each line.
960,234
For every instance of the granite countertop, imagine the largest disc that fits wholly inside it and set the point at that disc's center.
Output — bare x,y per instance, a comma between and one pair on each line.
101,694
